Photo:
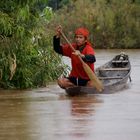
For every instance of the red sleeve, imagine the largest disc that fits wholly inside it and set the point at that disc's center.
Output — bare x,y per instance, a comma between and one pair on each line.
89,50
67,51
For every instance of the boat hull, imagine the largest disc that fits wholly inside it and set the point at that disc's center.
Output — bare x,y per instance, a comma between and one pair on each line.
79,90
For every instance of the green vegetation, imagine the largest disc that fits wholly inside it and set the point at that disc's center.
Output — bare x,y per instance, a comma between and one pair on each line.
26,55
112,23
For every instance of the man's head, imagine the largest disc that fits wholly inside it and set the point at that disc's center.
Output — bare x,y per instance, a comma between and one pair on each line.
82,31
81,35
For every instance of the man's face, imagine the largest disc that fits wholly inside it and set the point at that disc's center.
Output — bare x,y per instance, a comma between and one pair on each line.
80,40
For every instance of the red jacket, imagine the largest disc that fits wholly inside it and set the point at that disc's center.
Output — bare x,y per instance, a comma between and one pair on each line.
77,68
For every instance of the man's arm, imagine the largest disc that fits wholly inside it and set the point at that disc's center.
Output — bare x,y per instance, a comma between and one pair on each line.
89,58
56,45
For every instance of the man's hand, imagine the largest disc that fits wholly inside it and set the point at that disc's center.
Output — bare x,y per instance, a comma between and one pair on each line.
78,53
58,31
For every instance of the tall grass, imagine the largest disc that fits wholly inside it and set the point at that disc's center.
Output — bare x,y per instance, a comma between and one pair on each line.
114,24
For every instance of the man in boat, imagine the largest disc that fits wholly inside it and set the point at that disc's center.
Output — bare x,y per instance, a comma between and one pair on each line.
84,49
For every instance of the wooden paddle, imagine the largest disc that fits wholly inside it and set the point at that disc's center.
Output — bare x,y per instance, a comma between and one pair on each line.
96,82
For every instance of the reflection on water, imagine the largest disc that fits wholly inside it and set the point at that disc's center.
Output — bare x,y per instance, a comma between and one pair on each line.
82,112
48,114
83,106
64,118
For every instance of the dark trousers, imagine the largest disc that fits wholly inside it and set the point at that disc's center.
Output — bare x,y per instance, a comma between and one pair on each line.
78,81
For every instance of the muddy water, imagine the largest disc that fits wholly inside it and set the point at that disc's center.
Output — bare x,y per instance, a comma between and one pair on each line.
48,114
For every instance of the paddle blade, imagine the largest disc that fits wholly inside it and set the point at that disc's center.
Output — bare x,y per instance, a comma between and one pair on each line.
97,83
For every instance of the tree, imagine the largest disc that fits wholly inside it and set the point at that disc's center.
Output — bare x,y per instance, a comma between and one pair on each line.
24,45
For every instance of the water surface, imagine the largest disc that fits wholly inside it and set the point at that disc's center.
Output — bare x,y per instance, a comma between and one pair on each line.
48,114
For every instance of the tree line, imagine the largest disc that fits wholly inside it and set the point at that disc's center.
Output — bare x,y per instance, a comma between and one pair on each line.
112,24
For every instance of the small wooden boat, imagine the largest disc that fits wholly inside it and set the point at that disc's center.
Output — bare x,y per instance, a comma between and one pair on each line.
114,76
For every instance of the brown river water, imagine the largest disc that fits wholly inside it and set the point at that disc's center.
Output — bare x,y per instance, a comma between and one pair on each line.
49,114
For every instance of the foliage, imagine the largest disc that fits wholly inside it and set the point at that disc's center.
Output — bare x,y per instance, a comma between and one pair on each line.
57,4
26,58
112,24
